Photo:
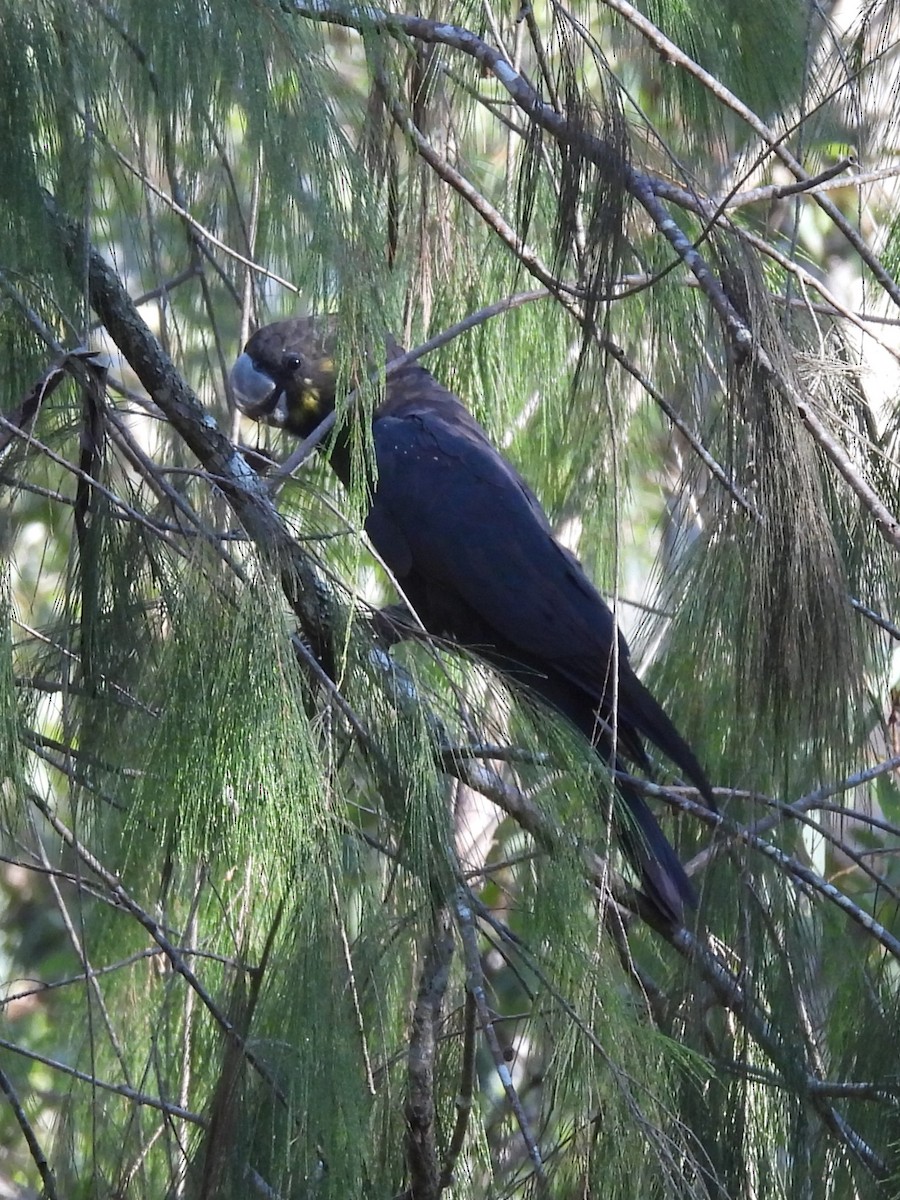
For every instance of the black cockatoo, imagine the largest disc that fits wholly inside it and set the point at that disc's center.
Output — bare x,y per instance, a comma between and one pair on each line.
474,553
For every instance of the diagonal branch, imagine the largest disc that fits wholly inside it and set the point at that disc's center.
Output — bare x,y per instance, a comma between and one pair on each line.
34,1146
641,187
421,1117
248,496
475,987
671,53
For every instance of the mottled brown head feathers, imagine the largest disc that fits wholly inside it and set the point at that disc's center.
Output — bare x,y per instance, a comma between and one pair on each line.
286,375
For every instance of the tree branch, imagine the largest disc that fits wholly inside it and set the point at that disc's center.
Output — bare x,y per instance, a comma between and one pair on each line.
34,1146
421,1117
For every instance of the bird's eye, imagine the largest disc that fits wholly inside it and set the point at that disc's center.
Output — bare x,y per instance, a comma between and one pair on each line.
292,362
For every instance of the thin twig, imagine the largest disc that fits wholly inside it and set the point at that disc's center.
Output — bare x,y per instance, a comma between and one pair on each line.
301,453
735,996
781,191
198,227
871,615
475,987
351,979
155,930
117,1089
714,214
84,478
671,53
788,864
91,976
717,471
464,1094
812,800
671,1152
34,1146
642,188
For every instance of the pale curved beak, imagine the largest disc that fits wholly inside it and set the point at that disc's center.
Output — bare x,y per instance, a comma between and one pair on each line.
256,393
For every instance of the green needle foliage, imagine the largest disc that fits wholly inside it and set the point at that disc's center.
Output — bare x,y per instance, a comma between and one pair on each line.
288,910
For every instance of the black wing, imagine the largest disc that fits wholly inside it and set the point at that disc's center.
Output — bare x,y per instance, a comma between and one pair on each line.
468,540
449,509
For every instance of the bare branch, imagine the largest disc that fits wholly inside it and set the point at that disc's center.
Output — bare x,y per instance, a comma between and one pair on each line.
34,1146
116,1089
673,54
421,1117
476,989
463,1094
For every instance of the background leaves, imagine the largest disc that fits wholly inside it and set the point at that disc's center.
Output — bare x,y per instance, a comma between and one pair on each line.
286,914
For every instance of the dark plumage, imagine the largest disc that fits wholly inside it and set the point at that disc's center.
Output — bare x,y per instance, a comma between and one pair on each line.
475,556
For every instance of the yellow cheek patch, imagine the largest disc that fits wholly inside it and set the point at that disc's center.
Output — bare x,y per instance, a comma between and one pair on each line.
326,366
304,404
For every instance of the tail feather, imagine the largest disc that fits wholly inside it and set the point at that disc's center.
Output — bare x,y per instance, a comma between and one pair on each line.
663,878
639,709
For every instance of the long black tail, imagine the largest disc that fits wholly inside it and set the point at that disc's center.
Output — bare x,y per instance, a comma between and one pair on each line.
641,711
663,878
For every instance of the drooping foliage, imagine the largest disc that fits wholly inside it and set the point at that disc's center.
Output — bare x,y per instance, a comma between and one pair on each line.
286,910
